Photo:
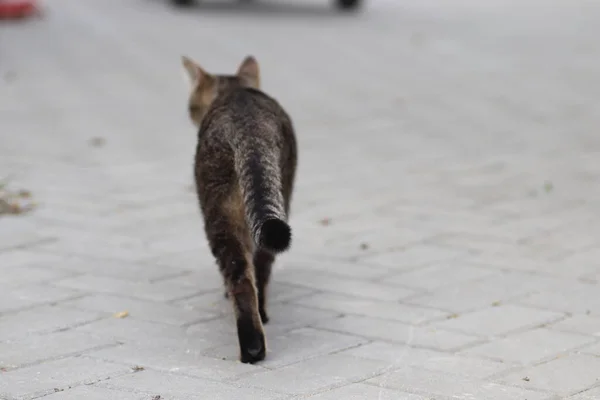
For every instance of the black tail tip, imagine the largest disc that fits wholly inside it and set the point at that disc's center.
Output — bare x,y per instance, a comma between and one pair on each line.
275,235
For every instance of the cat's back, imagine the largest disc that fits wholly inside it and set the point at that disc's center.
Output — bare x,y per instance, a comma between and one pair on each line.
245,108
249,100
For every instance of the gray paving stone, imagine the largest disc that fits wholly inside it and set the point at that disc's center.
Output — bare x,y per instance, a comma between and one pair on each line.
160,291
354,287
437,384
144,332
224,327
77,224
173,386
351,240
499,320
484,292
209,302
394,354
96,393
585,262
318,265
34,348
531,346
402,356
439,275
178,239
43,320
581,324
22,239
468,367
315,374
284,317
122,249
475,242
24,275
48,377
280,292
397,332
379,309
492,245
25,257
591,394
202,279
577,298
128,271
414,256
361,391
561,241
15,298
555,267
592,349
181,360
185,207
190,260
140,309
564,376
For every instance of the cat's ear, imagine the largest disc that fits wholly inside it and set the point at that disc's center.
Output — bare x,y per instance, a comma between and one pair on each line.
249,72
194,72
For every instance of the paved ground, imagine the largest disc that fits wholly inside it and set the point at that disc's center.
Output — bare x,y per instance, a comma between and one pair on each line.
447,234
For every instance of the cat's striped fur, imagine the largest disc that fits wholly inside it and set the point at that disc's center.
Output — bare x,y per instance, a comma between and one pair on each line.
245,166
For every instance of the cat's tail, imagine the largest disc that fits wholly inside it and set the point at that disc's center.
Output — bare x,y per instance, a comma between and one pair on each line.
259,174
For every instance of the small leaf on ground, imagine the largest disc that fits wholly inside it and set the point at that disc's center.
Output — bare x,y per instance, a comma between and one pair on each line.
122,314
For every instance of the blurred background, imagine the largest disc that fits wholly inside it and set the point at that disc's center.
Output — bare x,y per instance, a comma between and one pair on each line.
448,158
391,103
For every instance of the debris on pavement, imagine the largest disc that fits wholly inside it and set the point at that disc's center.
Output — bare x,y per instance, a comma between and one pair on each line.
121,314
325,221
14,202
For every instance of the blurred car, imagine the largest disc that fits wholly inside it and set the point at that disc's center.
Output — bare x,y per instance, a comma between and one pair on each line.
341,4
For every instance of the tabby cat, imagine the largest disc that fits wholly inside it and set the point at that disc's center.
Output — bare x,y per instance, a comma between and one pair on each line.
245,166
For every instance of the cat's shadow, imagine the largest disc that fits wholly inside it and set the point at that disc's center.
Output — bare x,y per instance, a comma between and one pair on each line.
262,8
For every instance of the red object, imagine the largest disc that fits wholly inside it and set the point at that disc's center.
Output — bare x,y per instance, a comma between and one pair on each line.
14,9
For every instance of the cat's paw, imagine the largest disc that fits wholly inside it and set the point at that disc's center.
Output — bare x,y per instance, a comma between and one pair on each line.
253,355
252,342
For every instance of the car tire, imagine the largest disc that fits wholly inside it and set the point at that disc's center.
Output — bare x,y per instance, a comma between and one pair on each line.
348,4
182,3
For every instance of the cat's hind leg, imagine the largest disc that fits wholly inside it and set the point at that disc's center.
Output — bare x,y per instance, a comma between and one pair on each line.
263,262
230,243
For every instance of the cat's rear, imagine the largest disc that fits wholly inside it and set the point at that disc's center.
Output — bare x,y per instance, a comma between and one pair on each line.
244,169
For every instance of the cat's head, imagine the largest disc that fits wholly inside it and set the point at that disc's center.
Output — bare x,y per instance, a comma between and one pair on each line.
207,87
